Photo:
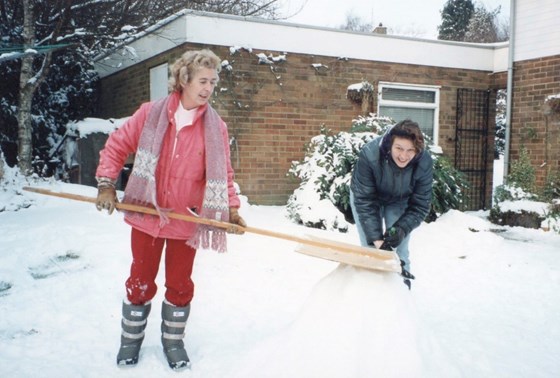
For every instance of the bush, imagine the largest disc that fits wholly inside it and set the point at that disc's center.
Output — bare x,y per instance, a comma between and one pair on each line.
326,171
517,204
551,190
371,124
449,189
522,174
324,176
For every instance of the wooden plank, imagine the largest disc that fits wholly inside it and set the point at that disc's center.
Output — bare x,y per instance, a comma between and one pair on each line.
314,246
371,258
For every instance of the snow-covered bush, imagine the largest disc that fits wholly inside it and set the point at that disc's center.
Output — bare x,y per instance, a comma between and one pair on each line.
552,221
513,206
517,203
551,190
449,188
322,199
11,183
372,123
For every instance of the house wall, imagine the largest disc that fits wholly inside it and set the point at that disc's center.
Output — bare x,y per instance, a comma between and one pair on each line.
273,110
536,32
536,75
534,81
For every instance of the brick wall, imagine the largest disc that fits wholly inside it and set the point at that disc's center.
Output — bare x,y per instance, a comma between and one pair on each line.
534,81
273,110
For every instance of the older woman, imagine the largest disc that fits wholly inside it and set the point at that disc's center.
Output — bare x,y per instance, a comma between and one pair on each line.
182,163
392,185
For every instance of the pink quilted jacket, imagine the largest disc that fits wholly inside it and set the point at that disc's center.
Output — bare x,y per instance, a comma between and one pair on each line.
180,173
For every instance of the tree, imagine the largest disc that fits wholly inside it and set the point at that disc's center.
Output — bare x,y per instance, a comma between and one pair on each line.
500,133
355,23
28,83
483,27
46,51
455,18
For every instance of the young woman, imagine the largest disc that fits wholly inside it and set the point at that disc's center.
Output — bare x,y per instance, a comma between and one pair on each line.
392,186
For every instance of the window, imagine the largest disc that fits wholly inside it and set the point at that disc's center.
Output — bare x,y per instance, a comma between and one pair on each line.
420,103
158,82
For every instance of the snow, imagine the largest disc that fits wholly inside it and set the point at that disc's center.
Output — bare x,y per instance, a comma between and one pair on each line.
517,206
484,304
355,87
96,125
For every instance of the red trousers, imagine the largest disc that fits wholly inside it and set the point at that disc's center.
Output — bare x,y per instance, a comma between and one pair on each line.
146,256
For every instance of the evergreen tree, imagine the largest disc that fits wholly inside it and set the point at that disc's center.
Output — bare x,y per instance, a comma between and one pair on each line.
500,134
455,18
482,26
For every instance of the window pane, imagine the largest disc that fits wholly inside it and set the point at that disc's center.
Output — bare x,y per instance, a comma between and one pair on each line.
424,117
158,82
408,95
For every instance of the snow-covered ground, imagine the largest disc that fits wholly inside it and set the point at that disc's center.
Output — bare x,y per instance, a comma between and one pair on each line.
485,302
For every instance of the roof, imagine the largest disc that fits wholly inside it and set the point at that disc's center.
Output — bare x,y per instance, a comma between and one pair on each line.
256,33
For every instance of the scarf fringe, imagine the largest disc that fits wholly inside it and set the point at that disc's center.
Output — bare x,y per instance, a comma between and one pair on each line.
202,239
219,241
163,215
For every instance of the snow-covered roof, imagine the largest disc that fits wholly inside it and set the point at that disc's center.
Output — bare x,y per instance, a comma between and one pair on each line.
256,33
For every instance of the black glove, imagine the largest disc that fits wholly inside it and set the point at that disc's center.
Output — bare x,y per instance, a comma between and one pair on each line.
385,247
393,237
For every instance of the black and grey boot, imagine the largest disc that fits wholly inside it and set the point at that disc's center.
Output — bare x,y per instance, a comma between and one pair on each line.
406,275
134,320
174,321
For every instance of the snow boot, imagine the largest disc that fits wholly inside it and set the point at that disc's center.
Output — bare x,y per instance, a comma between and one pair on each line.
134,320
173,323
407,276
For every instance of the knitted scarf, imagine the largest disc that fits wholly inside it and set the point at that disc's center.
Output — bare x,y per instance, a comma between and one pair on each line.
141,186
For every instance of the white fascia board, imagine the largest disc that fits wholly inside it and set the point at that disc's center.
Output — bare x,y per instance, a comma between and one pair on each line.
283,37
149,45
501,56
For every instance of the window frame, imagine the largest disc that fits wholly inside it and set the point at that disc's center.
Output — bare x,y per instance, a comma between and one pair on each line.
413,105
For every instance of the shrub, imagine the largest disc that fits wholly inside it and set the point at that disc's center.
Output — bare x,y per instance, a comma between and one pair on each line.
517,204
324,176
522,173
551,190
449,189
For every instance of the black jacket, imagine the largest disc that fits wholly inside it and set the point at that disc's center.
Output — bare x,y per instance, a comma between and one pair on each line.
377,181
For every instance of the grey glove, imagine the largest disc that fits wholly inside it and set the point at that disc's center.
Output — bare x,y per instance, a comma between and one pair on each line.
106,195
236,219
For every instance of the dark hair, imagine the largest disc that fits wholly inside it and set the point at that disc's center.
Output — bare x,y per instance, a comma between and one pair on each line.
409,130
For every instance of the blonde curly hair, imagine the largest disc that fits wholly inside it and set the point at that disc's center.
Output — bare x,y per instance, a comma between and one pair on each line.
185,67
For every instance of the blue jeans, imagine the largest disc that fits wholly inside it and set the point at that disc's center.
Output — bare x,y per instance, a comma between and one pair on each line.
389,214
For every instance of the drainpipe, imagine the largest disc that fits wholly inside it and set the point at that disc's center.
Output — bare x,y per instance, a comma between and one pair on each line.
509,86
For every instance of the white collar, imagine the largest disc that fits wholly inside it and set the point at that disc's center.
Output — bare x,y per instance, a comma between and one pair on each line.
184,117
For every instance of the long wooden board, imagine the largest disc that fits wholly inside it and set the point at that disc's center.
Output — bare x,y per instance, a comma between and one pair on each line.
346,253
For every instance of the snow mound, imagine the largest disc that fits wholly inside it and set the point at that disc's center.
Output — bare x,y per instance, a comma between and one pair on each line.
356,323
